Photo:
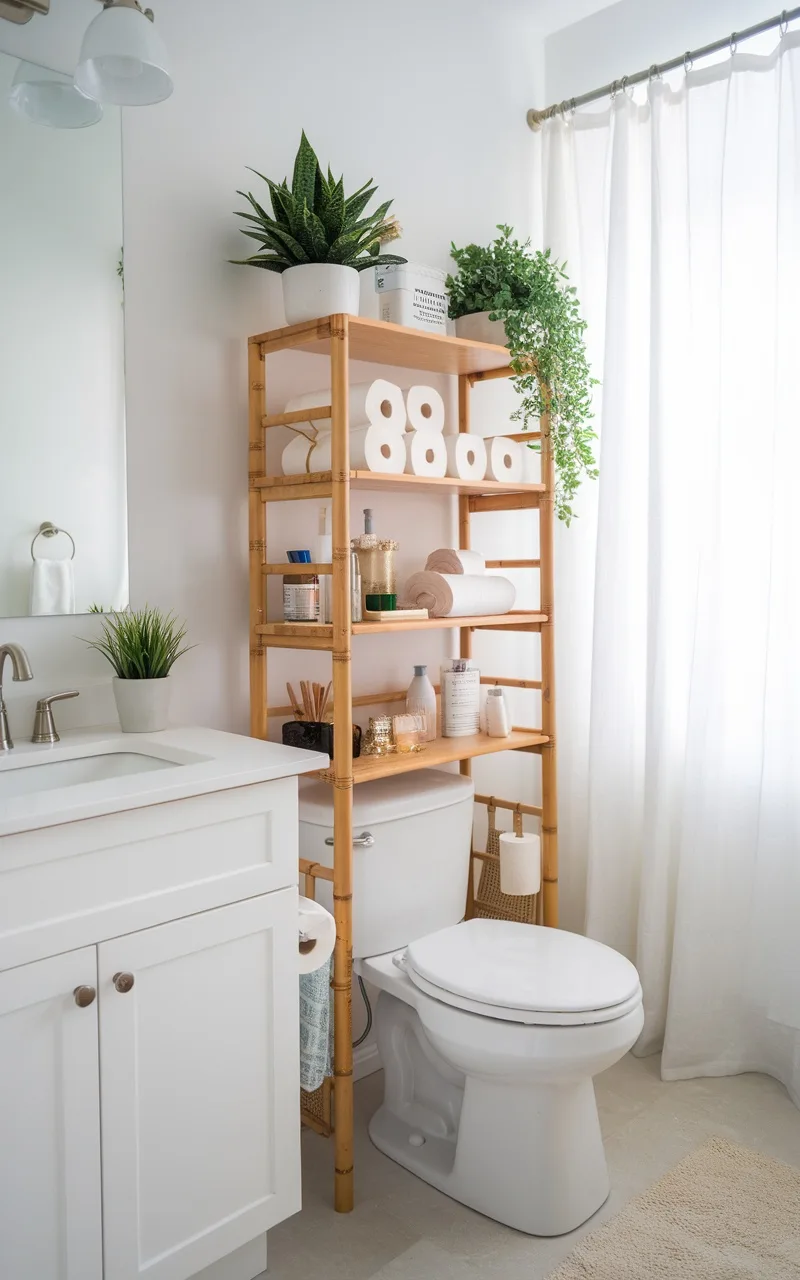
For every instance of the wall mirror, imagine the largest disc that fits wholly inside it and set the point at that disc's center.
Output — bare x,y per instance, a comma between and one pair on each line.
63,512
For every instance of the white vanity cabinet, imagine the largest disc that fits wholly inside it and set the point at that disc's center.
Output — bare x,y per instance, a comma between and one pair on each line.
50,1202
149,1039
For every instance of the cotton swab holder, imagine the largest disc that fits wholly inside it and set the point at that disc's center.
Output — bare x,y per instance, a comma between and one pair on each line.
520,863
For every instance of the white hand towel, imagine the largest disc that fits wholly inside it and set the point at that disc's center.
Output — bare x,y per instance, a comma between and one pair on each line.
52,587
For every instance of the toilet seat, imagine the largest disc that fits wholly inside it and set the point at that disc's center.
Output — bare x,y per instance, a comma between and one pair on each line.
523,973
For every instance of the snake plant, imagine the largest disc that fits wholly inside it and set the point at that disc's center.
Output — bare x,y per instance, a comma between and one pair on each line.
314,221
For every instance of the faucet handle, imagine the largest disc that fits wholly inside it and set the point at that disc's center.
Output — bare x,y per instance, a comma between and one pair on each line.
44,729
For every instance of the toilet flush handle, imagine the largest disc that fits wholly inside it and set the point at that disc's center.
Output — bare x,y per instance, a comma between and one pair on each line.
365,841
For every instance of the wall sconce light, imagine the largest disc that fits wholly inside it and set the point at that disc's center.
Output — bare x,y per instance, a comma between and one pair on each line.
123,60
46,97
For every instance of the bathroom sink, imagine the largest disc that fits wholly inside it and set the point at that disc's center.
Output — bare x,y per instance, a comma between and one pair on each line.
93,772
29,779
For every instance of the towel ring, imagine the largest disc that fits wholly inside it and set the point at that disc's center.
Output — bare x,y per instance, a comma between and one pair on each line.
49,530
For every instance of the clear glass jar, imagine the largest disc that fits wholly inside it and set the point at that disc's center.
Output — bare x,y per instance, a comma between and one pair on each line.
300,597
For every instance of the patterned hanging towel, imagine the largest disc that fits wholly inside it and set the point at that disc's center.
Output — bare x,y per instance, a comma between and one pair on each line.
316,1026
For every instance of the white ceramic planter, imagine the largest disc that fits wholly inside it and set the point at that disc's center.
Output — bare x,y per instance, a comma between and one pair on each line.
319,289
479,328
142,705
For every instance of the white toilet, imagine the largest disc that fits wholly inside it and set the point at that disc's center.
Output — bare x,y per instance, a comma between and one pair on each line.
490,1033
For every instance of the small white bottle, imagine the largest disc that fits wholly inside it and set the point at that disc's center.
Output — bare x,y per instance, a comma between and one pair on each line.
497,722
421,696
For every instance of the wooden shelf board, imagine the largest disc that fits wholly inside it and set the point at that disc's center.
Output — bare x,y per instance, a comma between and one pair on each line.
516,618
307,632
442,751
281,488
381,343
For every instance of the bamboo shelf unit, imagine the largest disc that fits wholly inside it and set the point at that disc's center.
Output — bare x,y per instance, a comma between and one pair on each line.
344,338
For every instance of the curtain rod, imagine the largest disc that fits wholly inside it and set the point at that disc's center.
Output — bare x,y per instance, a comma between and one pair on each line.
537,118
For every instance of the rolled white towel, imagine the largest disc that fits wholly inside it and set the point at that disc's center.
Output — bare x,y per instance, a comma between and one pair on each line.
448,595
450,560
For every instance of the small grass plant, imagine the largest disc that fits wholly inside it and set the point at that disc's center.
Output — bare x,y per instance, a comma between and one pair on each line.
141,644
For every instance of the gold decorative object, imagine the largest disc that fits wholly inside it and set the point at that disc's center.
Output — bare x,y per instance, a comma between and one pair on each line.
379,738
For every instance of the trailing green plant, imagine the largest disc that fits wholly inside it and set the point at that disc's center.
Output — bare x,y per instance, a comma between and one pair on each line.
314,221
530,292
141,644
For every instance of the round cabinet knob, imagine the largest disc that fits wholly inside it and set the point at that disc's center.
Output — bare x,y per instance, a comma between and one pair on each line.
84,996
123,982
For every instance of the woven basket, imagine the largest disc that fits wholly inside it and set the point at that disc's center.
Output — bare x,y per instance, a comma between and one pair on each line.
316,1110
490,903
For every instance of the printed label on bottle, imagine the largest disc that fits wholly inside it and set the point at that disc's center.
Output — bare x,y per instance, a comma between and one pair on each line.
301,602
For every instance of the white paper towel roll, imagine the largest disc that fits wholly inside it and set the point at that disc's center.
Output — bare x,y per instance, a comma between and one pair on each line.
426,454
520,863
505,460
371,449
425,409
378,401
317,935
466,456
449,560
448,595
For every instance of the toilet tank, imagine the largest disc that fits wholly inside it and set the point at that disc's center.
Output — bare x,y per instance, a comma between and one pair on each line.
413,879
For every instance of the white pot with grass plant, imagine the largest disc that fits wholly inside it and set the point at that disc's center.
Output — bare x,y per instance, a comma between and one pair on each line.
142,646
317,239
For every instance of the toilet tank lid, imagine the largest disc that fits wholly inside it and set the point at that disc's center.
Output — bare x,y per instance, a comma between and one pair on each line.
387,799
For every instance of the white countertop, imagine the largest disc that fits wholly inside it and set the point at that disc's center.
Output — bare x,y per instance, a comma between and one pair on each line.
209,761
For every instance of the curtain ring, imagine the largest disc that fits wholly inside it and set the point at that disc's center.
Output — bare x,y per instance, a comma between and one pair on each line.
623,84
654,73
784,24
688,62
614,89
572,107
733,43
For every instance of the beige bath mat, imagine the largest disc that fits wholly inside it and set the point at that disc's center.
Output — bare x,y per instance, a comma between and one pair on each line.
723,1213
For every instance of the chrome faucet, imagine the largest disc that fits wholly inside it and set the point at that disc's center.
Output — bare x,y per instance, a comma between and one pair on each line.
21,671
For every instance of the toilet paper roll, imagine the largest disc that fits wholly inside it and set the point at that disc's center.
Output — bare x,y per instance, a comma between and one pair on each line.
378,401
450,560
505,460
306,453
377,448
425,409
317,935
426,454
466,456
520,864
372,448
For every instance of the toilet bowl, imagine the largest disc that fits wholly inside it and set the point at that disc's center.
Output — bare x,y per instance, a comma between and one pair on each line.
490,1032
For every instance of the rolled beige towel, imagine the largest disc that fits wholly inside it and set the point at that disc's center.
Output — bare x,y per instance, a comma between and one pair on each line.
449,595
450,560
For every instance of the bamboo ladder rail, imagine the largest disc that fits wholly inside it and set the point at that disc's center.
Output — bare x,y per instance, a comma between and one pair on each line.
381,343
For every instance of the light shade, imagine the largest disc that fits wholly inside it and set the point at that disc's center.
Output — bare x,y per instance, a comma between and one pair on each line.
47,97
123,59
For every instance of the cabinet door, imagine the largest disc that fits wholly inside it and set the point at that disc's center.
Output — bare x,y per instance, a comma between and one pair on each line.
50,1206
200,1079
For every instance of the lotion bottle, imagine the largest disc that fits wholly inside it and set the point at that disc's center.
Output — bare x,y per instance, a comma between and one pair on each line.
497,721
421,696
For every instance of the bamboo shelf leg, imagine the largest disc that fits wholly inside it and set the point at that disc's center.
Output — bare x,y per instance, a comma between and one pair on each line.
257,526
464,542
342,769
547,602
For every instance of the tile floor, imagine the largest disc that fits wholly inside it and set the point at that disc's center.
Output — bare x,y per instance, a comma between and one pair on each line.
402,1229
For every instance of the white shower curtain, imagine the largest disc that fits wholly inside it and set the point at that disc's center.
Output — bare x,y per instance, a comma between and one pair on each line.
679,584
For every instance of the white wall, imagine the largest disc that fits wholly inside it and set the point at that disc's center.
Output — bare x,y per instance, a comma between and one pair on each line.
629,36
62,414
430,100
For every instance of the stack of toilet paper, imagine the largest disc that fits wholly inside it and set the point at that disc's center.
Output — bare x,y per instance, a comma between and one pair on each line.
377,425
455,584
392,431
